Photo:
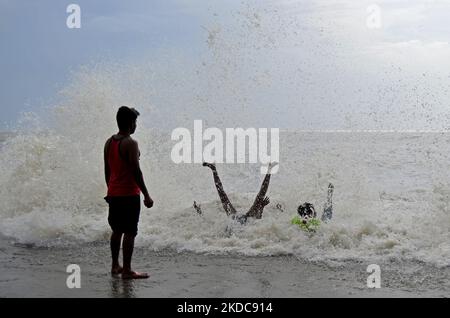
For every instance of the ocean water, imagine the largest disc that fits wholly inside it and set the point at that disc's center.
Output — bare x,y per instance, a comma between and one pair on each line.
391,198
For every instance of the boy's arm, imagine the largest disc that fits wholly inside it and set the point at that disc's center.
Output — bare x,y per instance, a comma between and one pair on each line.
133,157
105,160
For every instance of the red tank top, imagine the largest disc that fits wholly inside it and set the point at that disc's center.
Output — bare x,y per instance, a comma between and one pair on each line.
121,179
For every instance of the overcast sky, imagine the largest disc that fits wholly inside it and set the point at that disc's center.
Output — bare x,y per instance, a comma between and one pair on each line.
345,67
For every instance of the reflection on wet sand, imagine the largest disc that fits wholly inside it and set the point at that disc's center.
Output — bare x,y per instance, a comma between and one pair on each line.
122,288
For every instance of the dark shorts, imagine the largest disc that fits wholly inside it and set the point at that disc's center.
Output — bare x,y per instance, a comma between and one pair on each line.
124,214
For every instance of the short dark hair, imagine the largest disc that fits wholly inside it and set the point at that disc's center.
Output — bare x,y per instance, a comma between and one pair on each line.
306,210
125,116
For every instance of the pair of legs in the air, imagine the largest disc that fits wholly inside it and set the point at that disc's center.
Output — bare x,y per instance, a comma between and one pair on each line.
259,204
128,246
261,200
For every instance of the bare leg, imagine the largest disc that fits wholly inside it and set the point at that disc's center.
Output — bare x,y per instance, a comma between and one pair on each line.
227,206
328,208
261,200
128,246
116,239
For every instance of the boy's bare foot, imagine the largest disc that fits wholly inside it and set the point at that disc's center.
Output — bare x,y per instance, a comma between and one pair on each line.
212,166
116,270
271,165
330,188
134,275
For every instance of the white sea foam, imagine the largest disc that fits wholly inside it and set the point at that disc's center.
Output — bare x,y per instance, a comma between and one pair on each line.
391,193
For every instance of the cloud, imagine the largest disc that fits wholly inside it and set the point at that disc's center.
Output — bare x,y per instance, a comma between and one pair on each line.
318,54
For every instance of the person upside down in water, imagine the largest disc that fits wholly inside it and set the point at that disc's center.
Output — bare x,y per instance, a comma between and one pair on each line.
255,211
307,216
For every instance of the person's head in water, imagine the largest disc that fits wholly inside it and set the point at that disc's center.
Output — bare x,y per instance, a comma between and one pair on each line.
126,119
306,211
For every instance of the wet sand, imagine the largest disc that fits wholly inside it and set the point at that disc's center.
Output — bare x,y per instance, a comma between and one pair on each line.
40,272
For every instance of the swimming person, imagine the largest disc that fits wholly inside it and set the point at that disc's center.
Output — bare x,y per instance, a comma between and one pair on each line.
125,182
256,210
307,216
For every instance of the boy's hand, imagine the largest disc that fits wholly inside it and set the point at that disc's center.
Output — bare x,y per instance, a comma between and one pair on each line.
148,202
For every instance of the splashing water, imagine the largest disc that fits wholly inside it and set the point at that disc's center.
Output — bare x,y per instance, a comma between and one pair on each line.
391,190
391,197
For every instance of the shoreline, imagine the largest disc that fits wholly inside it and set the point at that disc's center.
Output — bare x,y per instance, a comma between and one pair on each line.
41,272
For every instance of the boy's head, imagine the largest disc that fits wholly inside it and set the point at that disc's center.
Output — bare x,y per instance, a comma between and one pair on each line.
306,211
126,119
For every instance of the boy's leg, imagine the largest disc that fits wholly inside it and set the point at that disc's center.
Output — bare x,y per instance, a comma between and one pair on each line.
116,239
261,200
227,206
